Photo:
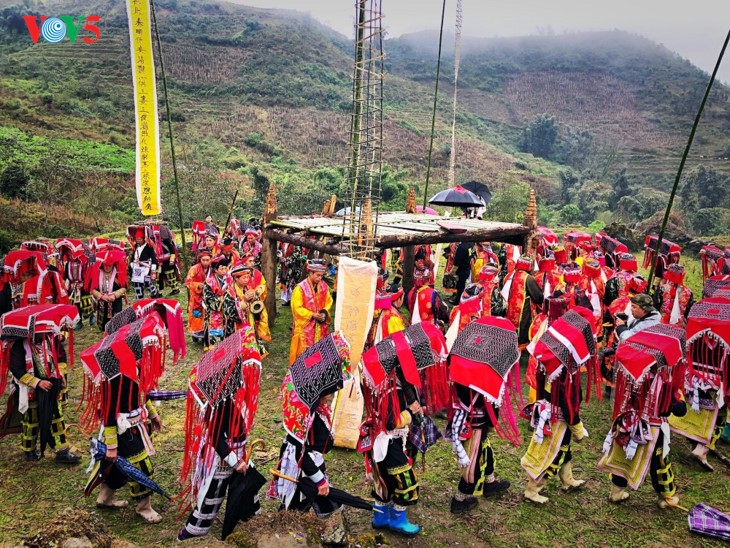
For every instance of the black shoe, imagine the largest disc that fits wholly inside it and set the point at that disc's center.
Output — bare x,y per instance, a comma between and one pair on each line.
32,456
495,488
461,506
175,292
65,456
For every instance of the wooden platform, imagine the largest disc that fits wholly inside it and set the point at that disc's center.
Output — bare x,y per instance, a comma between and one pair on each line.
395,230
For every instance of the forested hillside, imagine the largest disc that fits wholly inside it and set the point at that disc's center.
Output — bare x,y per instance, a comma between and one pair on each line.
595,122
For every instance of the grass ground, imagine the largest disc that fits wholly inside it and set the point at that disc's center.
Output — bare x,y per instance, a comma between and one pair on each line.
34,494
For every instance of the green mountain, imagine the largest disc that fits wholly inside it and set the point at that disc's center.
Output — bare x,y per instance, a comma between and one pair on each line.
596,122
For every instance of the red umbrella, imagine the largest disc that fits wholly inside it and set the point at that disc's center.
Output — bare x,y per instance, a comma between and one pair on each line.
428,210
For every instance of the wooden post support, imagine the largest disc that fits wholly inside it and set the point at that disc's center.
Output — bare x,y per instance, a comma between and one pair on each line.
529,247
269,257
409,256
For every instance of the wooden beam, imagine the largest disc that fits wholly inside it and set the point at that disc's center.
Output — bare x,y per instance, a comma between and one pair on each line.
303,241
510,235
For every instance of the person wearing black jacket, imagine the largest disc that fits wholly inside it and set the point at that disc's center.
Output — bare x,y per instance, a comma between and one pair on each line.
462,263
38,368
143,267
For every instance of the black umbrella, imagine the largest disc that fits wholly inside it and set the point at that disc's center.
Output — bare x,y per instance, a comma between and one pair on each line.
241,493
480,189
310,490
456,197
101,469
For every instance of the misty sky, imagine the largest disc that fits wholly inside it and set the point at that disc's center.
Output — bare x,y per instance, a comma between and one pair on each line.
695,29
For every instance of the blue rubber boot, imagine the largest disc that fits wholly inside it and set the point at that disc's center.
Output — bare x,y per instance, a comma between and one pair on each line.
400,524
381,516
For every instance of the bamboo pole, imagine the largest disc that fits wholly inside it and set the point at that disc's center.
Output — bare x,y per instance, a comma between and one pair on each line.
684,159
185,262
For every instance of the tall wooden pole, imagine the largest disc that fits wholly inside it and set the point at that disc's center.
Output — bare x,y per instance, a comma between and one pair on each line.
268,255
185,262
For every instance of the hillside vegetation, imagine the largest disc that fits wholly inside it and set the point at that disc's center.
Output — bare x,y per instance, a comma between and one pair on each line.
595,122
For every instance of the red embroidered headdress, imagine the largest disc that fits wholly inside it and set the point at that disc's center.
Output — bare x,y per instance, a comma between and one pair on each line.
47,320
483,358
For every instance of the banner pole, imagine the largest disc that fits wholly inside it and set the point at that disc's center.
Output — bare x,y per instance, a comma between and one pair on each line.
184,253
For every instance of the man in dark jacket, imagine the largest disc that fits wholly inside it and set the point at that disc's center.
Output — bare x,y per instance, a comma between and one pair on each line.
462,263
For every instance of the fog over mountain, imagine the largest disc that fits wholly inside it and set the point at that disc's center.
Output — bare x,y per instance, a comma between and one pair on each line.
694,30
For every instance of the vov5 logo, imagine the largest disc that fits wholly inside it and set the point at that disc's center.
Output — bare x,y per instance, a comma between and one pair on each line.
55,29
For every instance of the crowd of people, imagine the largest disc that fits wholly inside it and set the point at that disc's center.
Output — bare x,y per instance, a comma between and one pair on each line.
566,311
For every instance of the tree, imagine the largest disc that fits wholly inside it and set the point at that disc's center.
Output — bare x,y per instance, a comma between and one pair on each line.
509,204
711,221
570,214
540,137
576,148
569,183
629,209
593,198
621,185
14,182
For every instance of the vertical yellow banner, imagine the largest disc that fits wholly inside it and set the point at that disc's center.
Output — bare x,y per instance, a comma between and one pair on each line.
145,107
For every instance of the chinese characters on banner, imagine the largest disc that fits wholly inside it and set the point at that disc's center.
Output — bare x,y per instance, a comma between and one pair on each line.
356,282
145,107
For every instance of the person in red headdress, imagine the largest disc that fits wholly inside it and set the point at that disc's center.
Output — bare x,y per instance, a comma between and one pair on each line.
228,250
107,283
38,364
618,285
548,277
562,352
143,266
522,293
672,298
424,303
240,306
391,320
493,304
482,256
311,303
251,243
215,287
210,242
44,288
195,281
